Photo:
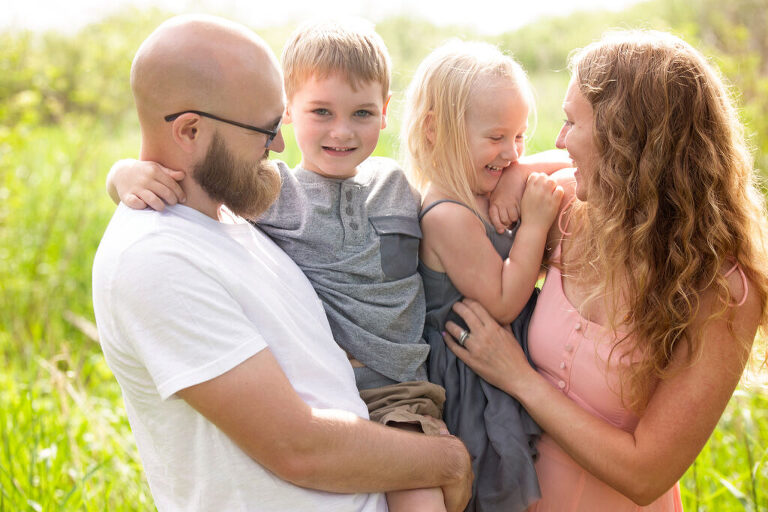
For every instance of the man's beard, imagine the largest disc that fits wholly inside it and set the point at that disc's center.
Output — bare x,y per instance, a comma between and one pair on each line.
247,188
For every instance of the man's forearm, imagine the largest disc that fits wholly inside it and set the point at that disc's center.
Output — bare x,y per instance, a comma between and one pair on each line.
348,454
329,450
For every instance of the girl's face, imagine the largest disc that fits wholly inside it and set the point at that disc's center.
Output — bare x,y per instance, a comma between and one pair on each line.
577,137
497,118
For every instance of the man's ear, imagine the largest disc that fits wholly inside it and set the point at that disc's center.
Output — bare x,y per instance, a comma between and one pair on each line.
384,111
186,133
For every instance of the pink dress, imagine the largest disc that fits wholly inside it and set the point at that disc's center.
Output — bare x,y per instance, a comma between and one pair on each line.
571,353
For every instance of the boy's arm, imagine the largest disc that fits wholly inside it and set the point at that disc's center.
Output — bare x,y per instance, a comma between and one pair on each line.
140,184
330,450
504,209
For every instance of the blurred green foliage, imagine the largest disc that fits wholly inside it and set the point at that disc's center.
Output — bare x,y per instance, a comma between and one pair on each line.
66,114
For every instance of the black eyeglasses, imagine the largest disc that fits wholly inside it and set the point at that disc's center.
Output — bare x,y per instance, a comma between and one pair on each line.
271,134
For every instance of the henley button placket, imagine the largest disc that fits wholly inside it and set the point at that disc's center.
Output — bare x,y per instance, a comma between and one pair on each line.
351,214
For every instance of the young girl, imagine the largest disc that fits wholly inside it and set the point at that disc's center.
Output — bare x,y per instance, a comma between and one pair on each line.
467,114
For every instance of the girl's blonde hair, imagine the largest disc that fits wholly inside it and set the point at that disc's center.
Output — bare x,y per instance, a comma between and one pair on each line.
434,133
673,201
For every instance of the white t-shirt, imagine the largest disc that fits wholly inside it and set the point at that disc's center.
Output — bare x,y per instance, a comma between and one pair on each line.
180,299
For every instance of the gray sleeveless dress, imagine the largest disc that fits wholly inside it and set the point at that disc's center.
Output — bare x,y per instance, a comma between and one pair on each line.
498,432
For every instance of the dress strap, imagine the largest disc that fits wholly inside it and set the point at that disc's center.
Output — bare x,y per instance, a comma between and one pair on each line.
744,284
439,201
564,229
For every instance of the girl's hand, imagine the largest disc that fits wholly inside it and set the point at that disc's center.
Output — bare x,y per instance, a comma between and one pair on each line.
504,209
140,184
541,200
491,350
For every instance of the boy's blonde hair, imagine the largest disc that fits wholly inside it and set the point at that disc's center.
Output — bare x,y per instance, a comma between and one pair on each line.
321,48
434,131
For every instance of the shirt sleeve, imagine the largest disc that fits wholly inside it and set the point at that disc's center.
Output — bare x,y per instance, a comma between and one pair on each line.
173,309
285,213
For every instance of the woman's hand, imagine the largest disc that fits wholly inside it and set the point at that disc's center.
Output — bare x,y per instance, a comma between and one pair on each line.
491,350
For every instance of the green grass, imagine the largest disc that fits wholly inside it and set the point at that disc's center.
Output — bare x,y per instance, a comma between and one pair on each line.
65,443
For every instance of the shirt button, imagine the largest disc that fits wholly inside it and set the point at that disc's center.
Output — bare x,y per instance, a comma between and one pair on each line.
562,365
561,384
349,195
569,347
348,210
354,225
577,326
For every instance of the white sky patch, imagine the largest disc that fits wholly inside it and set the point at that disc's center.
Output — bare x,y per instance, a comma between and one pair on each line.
486,16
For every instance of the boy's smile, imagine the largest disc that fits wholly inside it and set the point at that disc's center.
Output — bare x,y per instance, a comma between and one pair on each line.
336,126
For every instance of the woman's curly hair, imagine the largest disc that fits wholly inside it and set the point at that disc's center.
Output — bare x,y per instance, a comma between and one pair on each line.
673,202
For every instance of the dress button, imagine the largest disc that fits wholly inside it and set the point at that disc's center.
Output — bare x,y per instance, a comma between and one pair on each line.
354,225
561,384
348,210
569,347
562,365
577,326
349,195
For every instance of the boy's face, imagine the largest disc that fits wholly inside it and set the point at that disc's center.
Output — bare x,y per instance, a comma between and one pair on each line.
336,127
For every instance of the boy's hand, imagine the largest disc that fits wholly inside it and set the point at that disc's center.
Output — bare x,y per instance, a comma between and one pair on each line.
140,184
504,209
541,200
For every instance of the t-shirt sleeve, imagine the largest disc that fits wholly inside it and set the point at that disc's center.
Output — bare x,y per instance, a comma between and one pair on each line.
285,211
178,317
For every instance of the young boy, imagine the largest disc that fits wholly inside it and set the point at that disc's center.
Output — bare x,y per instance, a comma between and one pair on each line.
350,222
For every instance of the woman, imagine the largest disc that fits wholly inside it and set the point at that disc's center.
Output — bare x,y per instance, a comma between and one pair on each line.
657,285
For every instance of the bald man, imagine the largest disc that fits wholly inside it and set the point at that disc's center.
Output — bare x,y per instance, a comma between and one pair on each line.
237,395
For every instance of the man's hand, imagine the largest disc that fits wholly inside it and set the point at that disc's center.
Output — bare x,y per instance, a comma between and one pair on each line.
330,450
457,494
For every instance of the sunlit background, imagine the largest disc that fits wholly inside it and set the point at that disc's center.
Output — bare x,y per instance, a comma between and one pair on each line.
485,16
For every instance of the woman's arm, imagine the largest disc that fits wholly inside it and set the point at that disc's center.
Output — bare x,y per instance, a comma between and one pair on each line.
679,418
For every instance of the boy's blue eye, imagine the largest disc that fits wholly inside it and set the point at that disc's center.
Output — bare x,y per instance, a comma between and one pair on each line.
321,112
363,113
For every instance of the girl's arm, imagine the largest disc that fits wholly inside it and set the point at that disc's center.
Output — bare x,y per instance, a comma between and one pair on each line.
140,184
680,416
504,209
455,242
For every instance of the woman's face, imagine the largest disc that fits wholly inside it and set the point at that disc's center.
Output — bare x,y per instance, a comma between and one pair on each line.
576,136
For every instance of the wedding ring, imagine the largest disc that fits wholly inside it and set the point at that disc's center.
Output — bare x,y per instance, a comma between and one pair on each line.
463,337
